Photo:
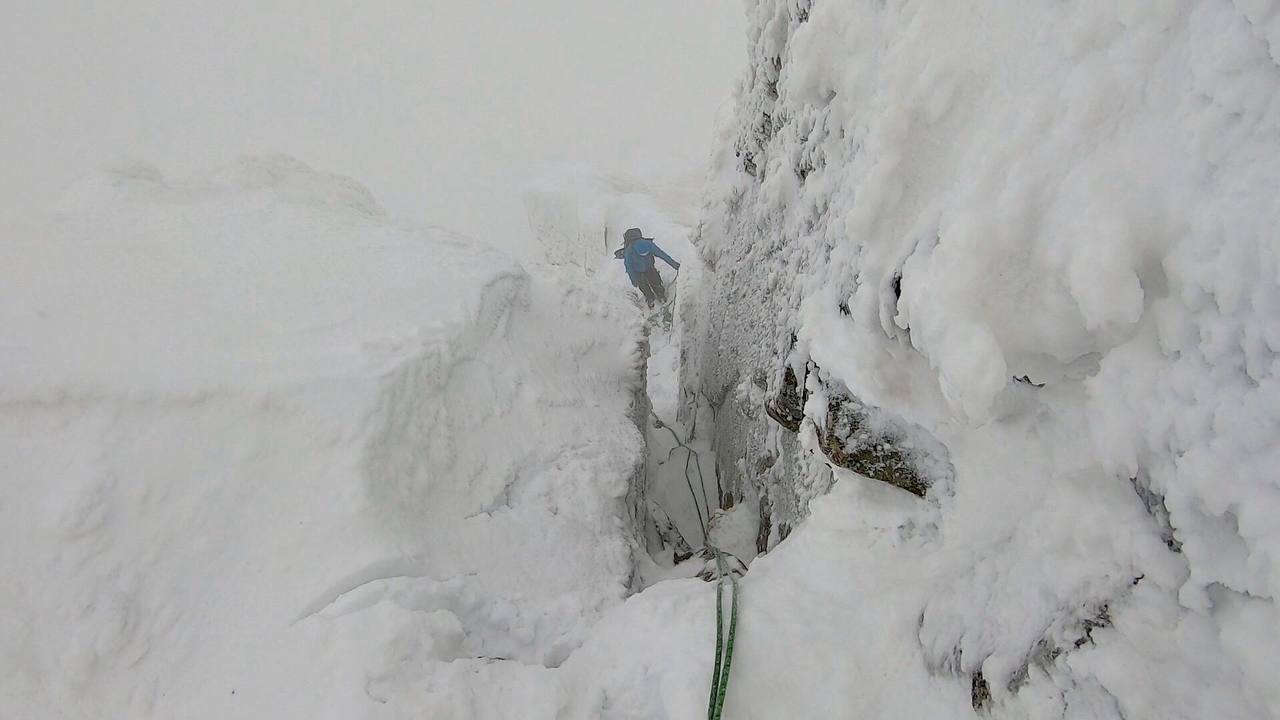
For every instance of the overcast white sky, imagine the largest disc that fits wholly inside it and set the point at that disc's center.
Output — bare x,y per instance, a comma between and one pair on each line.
444,108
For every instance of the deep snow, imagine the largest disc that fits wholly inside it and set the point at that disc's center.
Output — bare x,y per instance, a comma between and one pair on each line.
268,453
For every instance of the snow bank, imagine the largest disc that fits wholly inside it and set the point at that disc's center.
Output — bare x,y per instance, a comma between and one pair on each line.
266,453
936,199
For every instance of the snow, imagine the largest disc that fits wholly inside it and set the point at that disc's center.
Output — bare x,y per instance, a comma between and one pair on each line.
1080,194
578,218
267,452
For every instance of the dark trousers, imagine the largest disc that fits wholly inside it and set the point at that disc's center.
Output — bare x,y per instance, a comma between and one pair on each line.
650,283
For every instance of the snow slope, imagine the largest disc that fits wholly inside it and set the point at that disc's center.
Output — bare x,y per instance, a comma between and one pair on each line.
936,199
265,452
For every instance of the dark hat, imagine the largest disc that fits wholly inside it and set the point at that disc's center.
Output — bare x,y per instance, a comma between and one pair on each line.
632,235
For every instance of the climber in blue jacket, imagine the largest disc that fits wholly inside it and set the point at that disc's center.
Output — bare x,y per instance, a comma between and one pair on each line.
637,255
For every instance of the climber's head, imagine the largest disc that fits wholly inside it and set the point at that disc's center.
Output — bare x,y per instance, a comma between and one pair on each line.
632,235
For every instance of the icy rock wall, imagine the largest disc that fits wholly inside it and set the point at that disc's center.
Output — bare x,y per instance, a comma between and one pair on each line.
1044,233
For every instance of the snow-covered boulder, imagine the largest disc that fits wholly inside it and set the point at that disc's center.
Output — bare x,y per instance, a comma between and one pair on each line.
265,452
1044,234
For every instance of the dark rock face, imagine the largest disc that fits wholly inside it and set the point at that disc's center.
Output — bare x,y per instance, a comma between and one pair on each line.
1154,503
787,407
1046,654
857,437
766,525
854,439
979,691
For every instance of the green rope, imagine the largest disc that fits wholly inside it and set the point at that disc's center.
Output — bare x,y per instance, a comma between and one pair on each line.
715,673
724,646
703,520
702,483
689,481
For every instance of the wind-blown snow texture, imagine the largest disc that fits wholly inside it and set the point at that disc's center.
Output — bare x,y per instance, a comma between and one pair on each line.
937,198
267,453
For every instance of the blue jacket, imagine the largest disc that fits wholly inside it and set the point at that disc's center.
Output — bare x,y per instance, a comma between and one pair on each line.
638,258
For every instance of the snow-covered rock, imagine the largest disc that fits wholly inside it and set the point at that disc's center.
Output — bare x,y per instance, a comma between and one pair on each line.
265,452
1044,234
